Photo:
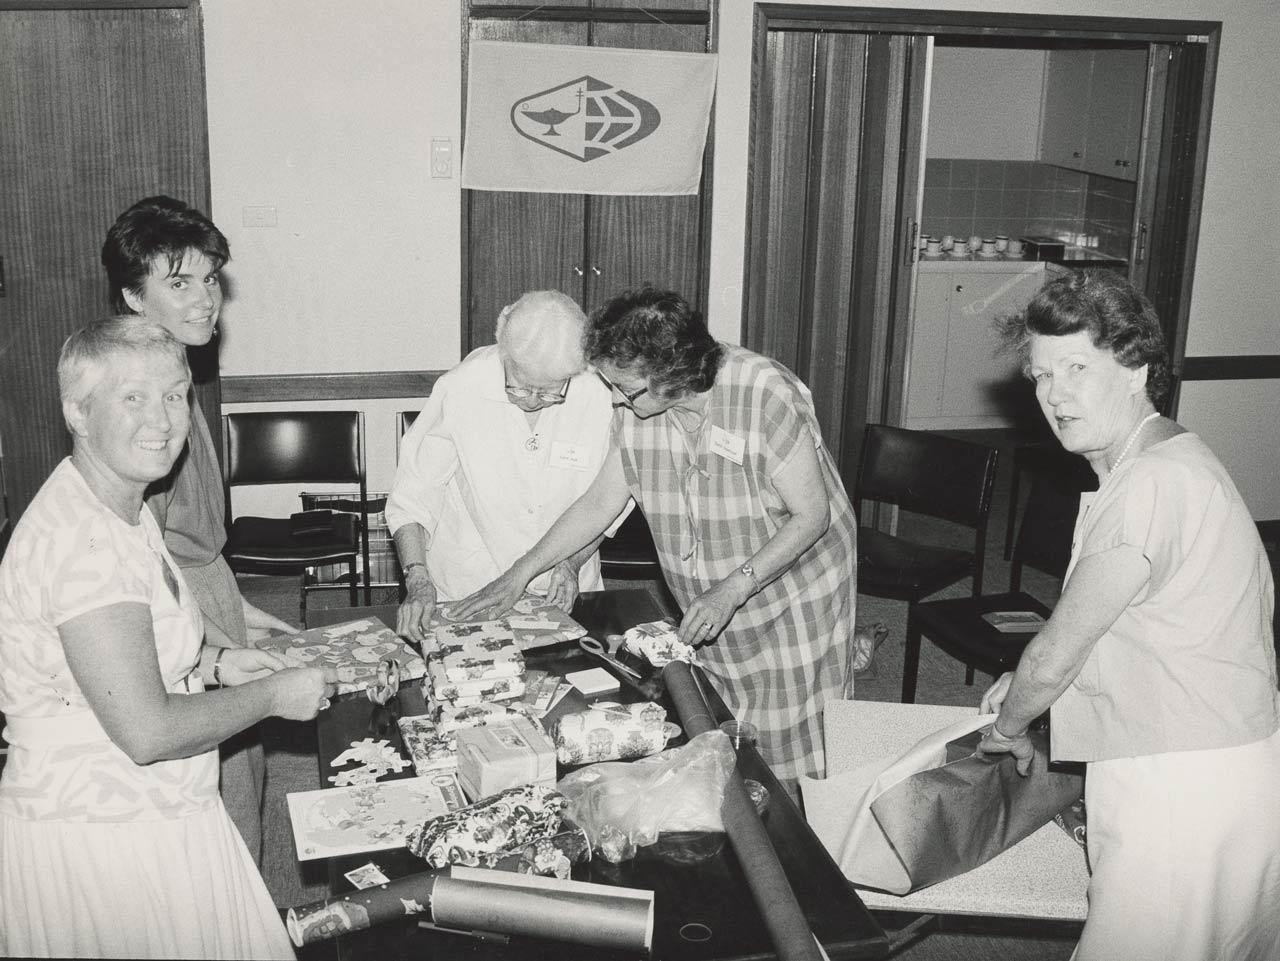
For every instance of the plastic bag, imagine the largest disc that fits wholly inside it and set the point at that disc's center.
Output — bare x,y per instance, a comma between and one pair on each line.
624,805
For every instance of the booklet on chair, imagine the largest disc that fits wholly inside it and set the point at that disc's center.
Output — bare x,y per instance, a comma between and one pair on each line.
1014,622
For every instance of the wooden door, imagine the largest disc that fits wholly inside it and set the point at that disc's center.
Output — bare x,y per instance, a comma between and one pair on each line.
834,200
634,240
101,107
515,241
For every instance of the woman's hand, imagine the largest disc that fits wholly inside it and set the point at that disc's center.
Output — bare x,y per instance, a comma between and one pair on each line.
419,604
239,665
1019,745
710,613
562,589
993,700
259,624
492,600
302,692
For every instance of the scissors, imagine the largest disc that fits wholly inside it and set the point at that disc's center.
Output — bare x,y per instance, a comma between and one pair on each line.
592,646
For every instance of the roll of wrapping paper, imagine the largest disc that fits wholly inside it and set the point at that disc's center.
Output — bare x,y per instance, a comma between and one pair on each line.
788,929
481,900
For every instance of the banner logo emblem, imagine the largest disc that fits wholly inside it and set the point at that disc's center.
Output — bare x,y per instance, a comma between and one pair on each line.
585,118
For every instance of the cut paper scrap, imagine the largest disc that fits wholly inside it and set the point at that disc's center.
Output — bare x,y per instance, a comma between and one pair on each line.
366,876
374,759
367,817
352,649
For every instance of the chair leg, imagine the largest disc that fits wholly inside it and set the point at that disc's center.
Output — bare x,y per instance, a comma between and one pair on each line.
910,660
1013,512
968,676
355,585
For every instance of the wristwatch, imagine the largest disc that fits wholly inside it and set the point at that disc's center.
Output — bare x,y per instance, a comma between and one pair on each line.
751,573
411,565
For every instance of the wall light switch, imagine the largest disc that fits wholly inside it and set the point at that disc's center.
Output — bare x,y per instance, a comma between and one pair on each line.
441,158
261,215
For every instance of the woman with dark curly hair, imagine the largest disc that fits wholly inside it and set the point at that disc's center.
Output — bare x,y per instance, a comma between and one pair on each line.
1158,659
721,449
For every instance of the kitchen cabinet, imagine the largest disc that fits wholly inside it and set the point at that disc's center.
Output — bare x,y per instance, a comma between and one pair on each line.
956,376
1092,114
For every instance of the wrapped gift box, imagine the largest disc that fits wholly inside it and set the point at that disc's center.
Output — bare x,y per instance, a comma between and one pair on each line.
502,755
431,750
618,732
472,692
533,621
479,656
453,717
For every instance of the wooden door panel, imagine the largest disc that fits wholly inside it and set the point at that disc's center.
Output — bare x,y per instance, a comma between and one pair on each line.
635,240
521,242
101,108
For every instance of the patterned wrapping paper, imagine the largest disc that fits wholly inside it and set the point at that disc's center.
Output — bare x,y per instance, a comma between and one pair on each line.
453,718
353,649
481,834
472,692
480,655
657,642
533,621
432,751
613,733
552,856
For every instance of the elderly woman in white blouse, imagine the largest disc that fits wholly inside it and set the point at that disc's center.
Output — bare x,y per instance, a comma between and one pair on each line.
113,840
1158,660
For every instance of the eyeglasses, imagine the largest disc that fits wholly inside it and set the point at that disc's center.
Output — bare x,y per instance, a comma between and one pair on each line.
629,398
542,396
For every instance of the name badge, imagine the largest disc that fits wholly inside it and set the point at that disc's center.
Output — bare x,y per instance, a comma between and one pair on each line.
569,456
727,445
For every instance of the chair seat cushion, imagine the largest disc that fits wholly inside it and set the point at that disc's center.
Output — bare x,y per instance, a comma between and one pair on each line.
957,627
272,539
894,566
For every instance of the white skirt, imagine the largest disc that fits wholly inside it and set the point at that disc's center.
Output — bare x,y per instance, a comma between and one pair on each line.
180,888
1185,852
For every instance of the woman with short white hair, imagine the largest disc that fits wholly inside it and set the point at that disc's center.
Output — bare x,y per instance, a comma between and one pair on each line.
113,840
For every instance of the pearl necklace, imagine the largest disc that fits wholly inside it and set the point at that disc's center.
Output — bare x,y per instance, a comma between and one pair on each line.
1132,437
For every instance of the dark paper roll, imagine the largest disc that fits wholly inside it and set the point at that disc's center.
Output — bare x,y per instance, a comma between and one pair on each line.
788,928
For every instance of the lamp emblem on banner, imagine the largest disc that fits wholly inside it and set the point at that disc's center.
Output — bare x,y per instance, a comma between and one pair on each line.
585,118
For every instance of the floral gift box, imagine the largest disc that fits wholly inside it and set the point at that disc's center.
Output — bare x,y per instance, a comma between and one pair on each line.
611,733
481,834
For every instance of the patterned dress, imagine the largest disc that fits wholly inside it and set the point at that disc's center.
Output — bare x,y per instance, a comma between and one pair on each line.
783,655
99,856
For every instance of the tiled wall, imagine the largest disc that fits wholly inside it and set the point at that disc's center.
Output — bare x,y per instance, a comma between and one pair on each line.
1021,197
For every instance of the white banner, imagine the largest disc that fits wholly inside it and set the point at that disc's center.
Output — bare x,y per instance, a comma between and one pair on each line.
593,120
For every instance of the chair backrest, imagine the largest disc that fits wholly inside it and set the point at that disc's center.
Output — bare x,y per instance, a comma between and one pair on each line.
927,473
1048,523
282,447
405,419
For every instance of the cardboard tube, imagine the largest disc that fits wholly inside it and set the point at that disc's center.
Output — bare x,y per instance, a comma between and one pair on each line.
788,928
322,920
574,911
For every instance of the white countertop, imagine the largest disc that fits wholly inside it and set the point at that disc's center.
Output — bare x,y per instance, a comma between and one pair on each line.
999,264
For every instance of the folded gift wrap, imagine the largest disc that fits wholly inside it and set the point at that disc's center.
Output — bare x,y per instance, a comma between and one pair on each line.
476,657
452,718
482,833
612,732
431,751
658,642
533,621
504,754
922,819
472,691
353,649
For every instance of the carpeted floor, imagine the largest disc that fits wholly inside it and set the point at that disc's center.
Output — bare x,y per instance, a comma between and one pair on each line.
292,761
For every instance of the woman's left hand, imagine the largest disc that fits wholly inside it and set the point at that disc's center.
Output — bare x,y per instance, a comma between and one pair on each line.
710,613
1019,745
240,665
562,588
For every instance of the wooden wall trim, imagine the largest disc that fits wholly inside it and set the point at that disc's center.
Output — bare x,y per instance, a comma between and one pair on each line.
281,388
1243,367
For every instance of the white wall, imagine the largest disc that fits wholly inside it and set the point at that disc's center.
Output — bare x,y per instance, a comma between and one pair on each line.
326,109
984,103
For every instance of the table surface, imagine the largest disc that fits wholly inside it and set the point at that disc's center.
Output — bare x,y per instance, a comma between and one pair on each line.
1043,876
703,907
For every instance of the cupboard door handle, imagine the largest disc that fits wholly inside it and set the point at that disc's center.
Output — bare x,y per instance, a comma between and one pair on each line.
1142,243
596,271
909,252
577,270
959,288
1122,163
1075,154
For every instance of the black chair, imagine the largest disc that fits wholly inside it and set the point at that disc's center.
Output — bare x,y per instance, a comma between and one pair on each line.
404,420
929,474
631,555
294,447
959,626
1042,458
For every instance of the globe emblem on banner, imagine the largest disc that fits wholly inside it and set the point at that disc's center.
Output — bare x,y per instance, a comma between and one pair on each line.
585,118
